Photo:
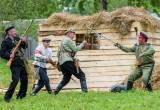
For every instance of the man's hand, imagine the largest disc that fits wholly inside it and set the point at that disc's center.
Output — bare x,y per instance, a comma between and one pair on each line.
12,56
140,55
47,59
117,44
84,42
23,39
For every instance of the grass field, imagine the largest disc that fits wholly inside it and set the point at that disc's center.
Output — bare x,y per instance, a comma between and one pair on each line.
5,74
132,100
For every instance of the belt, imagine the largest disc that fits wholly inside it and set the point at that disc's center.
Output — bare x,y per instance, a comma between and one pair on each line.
146,64
36,66
41,61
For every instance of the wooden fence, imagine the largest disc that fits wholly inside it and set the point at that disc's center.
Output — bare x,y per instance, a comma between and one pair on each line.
29,52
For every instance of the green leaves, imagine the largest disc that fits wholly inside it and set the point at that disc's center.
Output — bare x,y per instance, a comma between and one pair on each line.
150,5
27,9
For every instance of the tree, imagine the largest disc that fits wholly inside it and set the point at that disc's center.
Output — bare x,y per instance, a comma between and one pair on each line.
27,9
150,5
104,5
86,6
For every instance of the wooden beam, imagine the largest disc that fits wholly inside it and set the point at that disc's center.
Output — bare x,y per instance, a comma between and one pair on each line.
89,70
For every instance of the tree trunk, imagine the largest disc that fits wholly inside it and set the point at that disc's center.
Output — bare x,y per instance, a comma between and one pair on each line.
104,5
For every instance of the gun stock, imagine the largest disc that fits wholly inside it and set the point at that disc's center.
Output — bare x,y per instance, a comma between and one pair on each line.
33,86
53,63
9,62
76,64
15,49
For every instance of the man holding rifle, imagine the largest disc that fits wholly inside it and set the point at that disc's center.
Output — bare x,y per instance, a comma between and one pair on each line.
145,63
43,55
65,54
17,67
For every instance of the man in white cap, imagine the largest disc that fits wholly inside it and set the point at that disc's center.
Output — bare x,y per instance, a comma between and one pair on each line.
43,55
65,56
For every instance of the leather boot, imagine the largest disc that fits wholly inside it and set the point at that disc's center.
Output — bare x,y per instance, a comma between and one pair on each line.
59,87
36,90
129,85
7,99
84,86
149,87
48,88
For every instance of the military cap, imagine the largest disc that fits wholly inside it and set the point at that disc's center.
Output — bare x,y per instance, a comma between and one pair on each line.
69,31
144,35
46,39
9,28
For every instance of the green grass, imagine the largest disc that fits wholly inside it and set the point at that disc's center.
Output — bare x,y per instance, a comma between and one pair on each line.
5,74
132,100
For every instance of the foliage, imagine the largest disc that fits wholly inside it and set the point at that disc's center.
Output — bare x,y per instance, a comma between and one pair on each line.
20,26
28,9
14,10
2,27
92,6
151,5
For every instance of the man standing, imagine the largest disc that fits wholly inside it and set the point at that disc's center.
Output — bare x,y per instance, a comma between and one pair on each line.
145,63
43,55
17,67
65,56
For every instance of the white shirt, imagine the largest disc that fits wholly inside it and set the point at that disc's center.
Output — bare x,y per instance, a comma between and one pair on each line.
41,53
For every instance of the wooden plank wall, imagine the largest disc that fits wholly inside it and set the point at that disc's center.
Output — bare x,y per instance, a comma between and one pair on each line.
105,67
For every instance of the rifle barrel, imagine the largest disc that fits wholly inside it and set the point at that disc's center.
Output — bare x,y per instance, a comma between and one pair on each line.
15,49
101,35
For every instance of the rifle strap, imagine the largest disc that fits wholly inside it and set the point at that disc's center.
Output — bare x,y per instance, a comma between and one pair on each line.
19,49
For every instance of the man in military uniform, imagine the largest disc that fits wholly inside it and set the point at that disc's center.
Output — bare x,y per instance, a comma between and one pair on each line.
43,55
144,54
17,67
65,56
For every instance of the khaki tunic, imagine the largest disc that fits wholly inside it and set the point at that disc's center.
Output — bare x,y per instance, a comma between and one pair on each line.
147,60
66,48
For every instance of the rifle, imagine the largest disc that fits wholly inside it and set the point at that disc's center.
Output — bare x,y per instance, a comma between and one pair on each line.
76,64
33,85
54,64
99,35
15,49
91,30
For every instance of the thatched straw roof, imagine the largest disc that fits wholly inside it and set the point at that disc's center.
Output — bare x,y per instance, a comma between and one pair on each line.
120,19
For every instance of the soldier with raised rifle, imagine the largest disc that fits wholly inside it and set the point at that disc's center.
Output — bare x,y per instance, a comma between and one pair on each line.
144,53
65,54
43,55
17,66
